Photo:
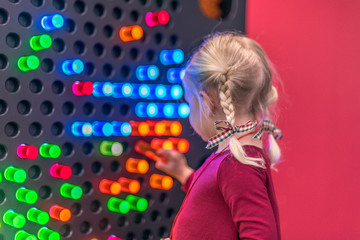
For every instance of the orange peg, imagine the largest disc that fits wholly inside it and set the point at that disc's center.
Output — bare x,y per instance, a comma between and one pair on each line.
168,144
131,33
157,128
160,129
157,143
60,213
161,181
175,128
129,185
144,148
135,165
179,144
139,128
109,187
165,128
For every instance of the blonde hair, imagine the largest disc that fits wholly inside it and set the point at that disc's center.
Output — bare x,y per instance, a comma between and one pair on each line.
239,69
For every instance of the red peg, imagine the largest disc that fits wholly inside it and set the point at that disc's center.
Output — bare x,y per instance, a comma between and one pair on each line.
60,171
27,151
153,19
83,88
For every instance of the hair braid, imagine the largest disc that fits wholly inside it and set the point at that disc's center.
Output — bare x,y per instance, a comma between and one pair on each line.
229,110
225,98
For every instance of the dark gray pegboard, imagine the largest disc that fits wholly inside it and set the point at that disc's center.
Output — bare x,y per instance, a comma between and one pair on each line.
47,89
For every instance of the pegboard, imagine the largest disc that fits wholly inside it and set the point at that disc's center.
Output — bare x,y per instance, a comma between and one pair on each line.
76,97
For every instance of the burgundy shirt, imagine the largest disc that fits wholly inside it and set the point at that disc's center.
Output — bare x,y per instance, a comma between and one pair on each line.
230,201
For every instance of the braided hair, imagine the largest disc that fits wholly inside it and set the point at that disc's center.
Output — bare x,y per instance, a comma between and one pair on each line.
229,110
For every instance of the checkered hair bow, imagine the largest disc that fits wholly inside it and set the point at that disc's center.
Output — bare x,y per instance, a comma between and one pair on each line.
269,126
229,130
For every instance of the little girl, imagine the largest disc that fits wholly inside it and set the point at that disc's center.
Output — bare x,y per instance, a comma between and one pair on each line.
231,196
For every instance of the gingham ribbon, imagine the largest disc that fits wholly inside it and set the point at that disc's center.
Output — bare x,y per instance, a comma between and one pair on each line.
229,130
270,127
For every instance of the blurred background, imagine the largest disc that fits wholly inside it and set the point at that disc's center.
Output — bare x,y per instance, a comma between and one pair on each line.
315,48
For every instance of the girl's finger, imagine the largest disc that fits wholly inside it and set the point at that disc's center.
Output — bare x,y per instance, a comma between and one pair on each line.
159,165
164,152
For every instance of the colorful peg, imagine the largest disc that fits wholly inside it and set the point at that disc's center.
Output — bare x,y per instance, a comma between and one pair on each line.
137,203
26,195
71,191
14,219
46,234
37,216
129,185
41,42
60,213
50,150
161,182
14,174
22,235
109,187
135,165
60,171
27,151
131,33
118,205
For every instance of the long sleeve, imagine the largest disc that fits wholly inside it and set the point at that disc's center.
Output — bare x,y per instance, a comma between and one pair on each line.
244,190
186,185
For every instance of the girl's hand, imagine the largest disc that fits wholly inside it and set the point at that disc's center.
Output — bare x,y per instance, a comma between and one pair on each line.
176,166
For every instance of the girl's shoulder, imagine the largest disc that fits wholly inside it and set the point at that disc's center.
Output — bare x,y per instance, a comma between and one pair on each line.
232,171
229,163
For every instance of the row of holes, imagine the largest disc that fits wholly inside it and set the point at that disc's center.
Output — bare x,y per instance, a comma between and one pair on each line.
13,85
66,231
13,40
85,228
104,225
25,20
99,9
68,108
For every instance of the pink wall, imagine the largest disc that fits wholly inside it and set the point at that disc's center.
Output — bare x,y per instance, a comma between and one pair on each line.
315,46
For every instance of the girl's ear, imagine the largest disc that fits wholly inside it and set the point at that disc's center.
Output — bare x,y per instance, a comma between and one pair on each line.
209,103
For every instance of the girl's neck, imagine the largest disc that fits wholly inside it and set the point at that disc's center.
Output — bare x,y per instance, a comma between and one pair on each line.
246,140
